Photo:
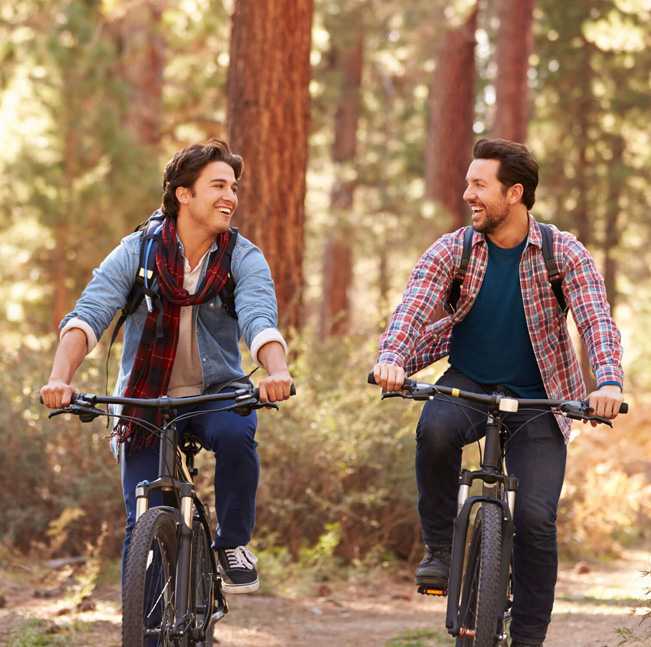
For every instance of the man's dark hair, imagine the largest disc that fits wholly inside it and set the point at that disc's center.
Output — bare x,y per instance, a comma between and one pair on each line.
186,166
517,165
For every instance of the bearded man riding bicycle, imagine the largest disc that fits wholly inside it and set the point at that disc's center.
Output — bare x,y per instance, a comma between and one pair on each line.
506,334
188,343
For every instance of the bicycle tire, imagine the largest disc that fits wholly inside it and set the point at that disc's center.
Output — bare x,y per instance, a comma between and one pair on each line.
148,599
202,581
478,610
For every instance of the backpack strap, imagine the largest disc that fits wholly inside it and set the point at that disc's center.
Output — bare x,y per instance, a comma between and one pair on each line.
141,289
457,281
555,278
227,293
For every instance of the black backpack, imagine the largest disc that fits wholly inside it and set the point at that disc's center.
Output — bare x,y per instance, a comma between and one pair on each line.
141,289
555,278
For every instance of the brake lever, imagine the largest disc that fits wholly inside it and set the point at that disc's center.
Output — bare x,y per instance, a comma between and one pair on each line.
85,414
397,394
245,404
58,412
581,413
599,419
266,405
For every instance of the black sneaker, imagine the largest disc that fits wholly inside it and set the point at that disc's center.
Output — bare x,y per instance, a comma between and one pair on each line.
434,570
237,568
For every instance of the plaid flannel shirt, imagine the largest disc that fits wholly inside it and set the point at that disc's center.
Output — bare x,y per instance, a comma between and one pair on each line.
413,341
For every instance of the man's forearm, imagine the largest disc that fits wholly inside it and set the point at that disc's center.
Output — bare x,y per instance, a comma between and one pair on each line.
272,357
69,356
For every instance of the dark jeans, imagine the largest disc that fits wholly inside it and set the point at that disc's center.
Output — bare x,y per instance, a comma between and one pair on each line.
232,440
536,455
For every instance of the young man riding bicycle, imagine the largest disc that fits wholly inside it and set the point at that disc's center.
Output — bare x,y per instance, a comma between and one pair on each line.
188,343
506,334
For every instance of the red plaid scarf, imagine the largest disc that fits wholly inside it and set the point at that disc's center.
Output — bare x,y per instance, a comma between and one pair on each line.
152,367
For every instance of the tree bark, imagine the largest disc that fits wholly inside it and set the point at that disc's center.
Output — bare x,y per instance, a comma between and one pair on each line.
613,233
141,49
338,254
268,118
451,114
514,45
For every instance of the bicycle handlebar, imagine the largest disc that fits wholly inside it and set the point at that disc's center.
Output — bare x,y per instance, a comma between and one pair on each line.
81,403
578,410
164,401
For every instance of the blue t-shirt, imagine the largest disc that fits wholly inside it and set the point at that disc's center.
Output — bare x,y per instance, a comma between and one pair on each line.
492,344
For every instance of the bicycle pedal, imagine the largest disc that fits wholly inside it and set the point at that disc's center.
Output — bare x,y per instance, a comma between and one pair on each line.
425,589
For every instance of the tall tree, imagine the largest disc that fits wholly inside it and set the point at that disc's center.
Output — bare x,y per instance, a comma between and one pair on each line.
514,45
347,57
451,113
268,110
141,64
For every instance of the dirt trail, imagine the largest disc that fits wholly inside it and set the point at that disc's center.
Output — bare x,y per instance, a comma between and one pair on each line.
588,608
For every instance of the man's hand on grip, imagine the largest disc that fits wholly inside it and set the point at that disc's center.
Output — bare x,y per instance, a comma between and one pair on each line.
389,376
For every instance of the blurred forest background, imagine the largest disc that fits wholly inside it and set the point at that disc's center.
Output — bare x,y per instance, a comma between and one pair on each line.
356,120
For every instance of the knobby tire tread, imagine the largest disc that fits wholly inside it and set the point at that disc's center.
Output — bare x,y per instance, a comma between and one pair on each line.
201,571
479,602
158,528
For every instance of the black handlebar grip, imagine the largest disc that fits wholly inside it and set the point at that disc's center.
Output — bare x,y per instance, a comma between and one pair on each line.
623,407
256,391
407,383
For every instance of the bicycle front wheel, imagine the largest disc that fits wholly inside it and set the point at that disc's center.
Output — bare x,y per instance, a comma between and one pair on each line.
478,611
148,598
202,581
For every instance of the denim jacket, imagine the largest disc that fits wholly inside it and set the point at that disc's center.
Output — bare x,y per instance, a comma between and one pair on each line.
218,334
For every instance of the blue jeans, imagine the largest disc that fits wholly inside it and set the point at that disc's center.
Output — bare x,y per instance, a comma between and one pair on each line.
237,469
536,454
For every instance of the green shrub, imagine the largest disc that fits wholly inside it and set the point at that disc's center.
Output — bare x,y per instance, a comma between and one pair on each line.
33,632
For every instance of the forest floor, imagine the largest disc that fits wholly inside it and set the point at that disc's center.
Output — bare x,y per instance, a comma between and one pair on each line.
36,608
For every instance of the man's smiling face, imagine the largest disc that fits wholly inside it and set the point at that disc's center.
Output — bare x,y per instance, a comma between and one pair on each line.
212,200
486,196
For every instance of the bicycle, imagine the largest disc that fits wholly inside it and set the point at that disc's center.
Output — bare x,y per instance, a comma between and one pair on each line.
172,591
480,582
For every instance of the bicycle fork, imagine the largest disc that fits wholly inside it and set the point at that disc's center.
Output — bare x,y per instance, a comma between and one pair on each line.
183,518
465,505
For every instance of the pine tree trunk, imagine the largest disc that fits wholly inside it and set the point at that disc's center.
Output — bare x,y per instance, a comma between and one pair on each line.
613,236
338,254
141,68
451,114
514,44
268,114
